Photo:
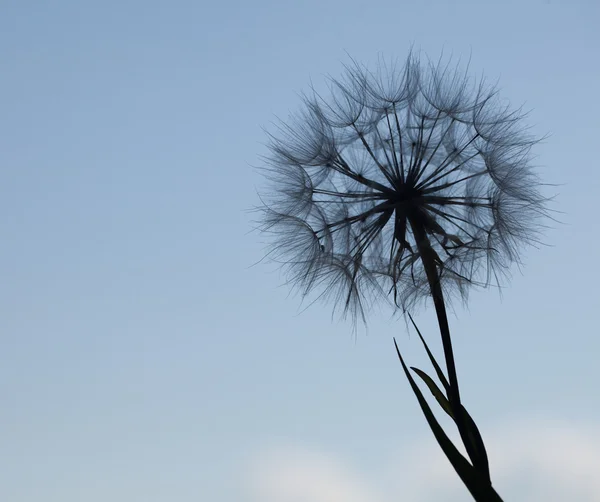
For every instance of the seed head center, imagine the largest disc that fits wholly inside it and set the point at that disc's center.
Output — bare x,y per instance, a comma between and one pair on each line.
405,195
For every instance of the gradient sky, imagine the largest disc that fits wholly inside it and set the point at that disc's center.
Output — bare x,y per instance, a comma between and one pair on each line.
142,358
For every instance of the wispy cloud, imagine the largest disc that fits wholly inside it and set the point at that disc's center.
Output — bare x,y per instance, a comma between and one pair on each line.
296,474
532,460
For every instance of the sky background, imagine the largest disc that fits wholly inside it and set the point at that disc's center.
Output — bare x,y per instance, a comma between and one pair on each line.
142,358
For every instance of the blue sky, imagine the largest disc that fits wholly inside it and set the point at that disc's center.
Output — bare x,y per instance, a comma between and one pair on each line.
143,359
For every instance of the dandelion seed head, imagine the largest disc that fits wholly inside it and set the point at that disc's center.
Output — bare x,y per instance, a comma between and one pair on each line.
360,179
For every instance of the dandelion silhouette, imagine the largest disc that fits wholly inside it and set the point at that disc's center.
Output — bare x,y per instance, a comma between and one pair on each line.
404,185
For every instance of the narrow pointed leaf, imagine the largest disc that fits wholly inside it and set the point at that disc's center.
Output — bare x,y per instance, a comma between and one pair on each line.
479,489
477,443
473,434
437,393
438,369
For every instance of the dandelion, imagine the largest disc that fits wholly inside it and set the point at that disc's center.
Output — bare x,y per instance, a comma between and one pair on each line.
400,182
404,185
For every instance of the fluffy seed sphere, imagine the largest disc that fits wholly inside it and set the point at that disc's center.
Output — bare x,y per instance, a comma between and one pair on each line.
393,165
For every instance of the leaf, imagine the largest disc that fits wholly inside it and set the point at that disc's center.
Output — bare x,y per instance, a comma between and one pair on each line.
437,393
472,430
438,370
477,443
473,435
479,489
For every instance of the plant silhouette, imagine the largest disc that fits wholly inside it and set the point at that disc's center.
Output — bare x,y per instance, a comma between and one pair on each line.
404,184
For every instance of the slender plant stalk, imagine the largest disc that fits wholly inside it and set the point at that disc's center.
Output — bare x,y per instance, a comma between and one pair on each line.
430,260
404,185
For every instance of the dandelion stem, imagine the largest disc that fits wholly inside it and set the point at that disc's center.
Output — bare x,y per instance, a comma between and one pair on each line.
430,259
